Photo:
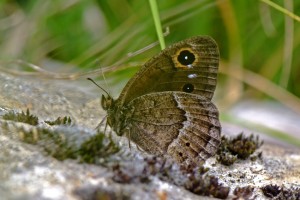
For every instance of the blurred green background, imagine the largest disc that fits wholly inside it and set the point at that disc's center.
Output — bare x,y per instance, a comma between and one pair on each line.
258,44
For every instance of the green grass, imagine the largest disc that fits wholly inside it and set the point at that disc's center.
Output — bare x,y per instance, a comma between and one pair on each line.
156,19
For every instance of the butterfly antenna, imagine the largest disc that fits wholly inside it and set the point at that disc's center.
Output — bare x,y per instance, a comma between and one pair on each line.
98,86
104,78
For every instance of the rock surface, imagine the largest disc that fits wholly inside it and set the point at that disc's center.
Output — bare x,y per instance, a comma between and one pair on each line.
26,172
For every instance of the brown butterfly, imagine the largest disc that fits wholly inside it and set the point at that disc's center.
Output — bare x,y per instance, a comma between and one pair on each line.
166,107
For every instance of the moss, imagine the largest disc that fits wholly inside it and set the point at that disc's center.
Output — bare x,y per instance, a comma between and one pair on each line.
52,142
271,190
151,166
243,192
97,147
100,193
279,192
243,146
207,186
195,180
24,117
291,193
121,176
239,147
226,158
60,121
255,157
55,144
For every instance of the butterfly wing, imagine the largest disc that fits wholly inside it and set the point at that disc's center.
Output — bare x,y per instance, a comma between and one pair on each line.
184,126
189,66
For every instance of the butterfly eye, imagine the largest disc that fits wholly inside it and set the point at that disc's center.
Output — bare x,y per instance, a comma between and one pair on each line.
188,88
186,57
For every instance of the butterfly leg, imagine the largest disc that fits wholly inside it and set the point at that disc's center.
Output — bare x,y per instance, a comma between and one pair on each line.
138,148
102,121
127,134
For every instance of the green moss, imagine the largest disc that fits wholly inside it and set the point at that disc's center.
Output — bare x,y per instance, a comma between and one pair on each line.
52,142
22,117
243,146
60,121
226,158
97,147
238,147
55,144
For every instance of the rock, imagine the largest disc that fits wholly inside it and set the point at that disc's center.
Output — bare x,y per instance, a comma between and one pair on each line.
27,171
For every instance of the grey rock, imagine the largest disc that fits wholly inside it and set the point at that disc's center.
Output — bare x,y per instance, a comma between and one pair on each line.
26,172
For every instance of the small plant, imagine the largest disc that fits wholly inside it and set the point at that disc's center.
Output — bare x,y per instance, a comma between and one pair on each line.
207,186
226,158
60,121
243,192
279,192
55,144
52,142
195,179
97,147
22,117
238,147
243,146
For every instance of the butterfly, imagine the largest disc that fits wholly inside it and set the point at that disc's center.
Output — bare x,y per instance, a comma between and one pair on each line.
166,108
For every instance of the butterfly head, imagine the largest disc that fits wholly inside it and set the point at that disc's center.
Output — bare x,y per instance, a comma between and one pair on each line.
107,102
116,114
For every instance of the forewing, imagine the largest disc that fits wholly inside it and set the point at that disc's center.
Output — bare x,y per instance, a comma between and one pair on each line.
169,71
